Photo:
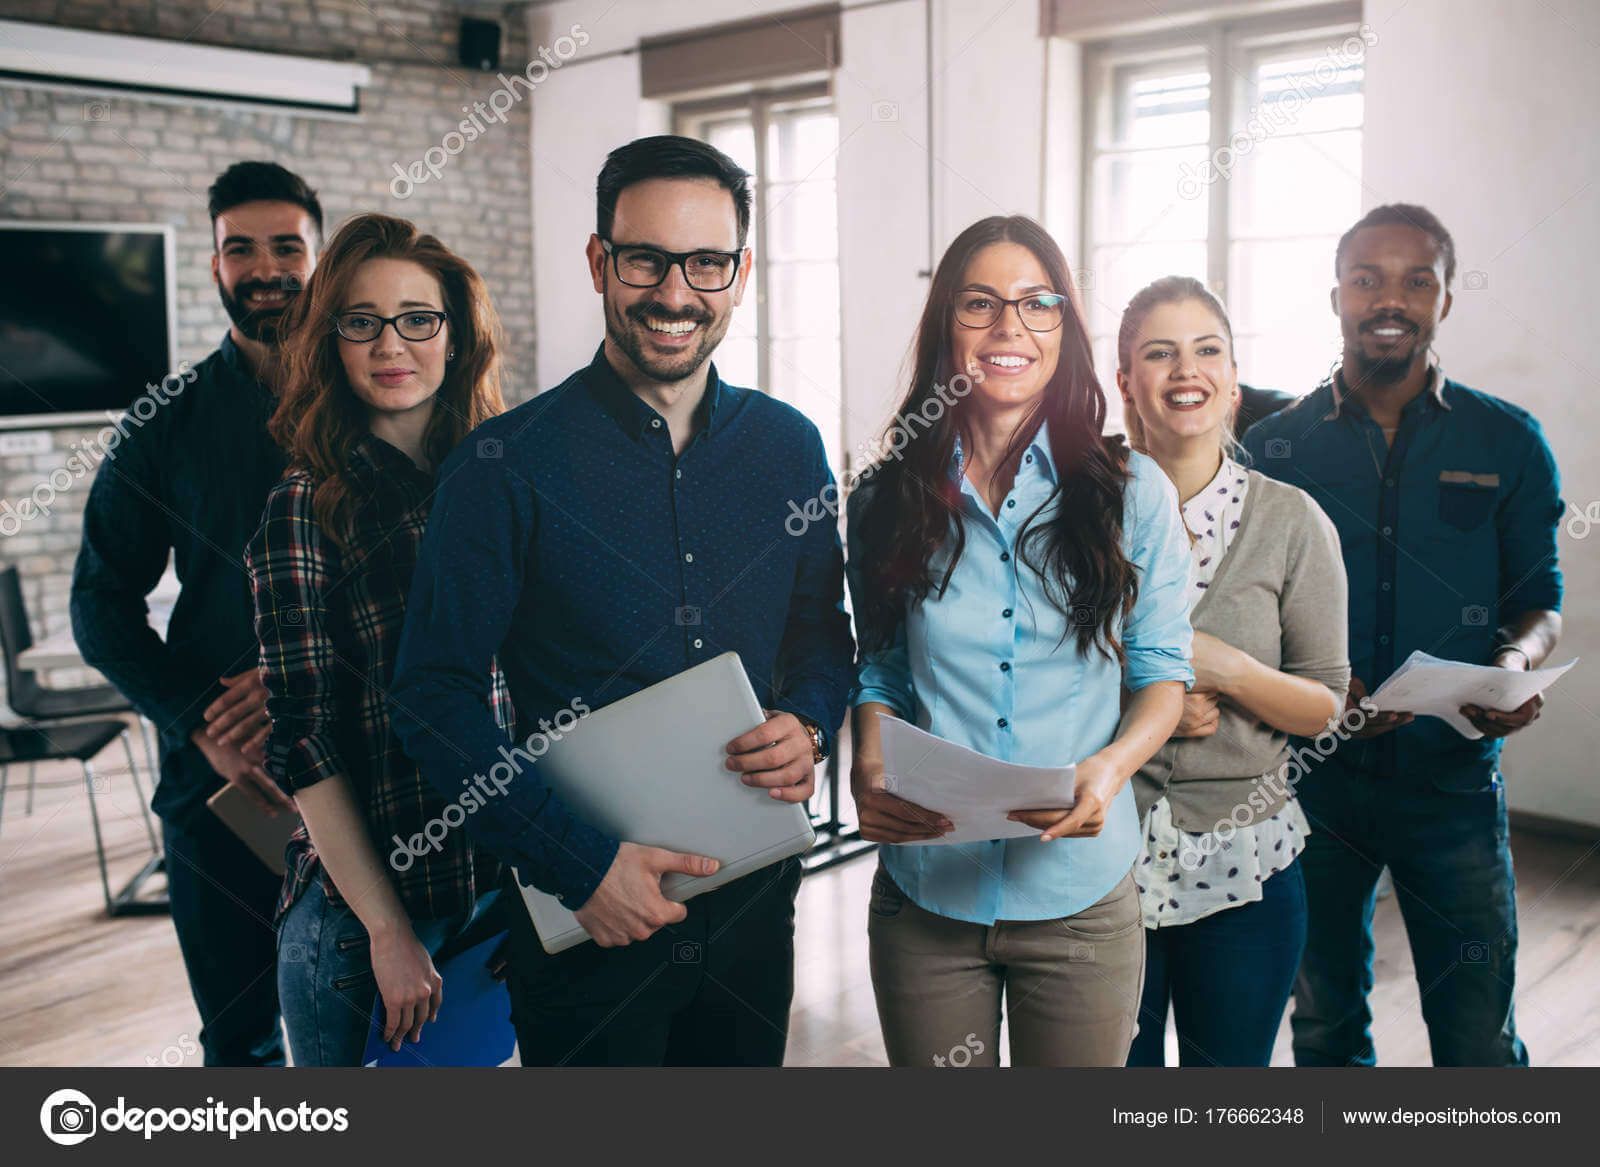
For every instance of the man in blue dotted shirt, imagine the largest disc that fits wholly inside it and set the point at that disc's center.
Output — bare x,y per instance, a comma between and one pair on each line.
1447,502
630,523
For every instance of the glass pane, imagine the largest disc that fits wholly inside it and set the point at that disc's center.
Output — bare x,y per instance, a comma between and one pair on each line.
1118,272
1308,93
805,373
735,137
1298,185
735,358
802,221
1286,334
1164,109
801,145
1152,196
805,300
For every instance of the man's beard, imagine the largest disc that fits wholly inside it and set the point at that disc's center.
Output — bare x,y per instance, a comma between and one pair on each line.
259,324
623,327
1391,368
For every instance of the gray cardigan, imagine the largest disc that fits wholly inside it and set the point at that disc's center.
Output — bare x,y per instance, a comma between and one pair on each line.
1279,594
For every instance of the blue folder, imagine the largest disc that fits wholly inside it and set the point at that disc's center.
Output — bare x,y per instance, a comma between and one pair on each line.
474,1023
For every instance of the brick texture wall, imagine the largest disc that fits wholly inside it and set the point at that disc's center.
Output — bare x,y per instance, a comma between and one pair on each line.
71,156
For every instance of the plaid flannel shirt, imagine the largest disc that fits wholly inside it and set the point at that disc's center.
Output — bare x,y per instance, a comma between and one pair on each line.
329,625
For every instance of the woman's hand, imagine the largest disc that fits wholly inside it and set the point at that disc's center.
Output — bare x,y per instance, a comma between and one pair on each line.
1099,778
410,986
1200,713
885,818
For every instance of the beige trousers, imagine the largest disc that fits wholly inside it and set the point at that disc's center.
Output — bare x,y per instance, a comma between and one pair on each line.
1071,986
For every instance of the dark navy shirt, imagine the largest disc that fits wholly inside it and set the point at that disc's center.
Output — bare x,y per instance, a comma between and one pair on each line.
568,539
1447,535
190,482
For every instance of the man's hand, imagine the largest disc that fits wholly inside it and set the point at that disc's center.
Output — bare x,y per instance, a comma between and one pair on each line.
777,755
245,773
1200,714
628,904
1498,723
1373,724
1097,781
239,716
884,818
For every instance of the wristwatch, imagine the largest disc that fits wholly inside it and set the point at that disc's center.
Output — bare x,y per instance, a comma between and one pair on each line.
814,731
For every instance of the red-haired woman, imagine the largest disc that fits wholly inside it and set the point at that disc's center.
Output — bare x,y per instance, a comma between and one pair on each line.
391,362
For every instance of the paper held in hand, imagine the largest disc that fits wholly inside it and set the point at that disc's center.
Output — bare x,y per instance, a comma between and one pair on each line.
1429,685
974,791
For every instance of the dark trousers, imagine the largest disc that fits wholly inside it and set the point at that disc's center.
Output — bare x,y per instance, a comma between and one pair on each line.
712,991
1450,856
223,899
1227,977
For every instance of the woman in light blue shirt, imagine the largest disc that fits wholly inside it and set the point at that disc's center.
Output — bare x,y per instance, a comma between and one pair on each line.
1018,582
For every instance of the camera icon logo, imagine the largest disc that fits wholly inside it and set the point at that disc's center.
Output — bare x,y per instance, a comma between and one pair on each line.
686,952
1475,281
1474,952
1277,447
68,1117
1081,616
292,953
96,111
686,616
885,111
490,448
1475,616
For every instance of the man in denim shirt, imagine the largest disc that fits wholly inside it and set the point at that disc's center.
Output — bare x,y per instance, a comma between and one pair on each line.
1447,503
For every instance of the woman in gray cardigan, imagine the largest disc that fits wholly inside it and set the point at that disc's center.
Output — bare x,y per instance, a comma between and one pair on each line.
1223,900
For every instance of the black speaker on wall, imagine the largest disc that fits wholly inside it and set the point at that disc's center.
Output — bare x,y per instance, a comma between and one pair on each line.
480,44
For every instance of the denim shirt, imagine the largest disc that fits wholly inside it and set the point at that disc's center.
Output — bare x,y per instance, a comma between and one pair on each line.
985,665
1447,535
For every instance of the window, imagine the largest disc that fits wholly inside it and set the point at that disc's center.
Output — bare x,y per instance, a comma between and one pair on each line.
1231,154
784,339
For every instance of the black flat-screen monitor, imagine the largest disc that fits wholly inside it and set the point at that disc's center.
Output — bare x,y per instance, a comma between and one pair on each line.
87,319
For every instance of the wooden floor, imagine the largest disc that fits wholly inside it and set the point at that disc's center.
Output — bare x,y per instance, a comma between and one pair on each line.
77,988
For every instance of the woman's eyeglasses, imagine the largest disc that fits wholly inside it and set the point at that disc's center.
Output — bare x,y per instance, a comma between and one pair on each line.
1040,312
645,267
364,326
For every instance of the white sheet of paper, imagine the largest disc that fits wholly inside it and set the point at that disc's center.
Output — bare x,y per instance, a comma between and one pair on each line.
1436,687
972,790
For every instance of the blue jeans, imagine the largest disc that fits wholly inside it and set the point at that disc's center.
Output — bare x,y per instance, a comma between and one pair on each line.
1450,856
325,980
223,899
1227,977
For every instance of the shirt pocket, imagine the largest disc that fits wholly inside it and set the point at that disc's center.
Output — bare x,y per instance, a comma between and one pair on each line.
1467,499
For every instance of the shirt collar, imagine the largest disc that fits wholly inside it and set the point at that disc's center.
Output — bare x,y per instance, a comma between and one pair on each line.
631,412
372,453
1434,392
1038,449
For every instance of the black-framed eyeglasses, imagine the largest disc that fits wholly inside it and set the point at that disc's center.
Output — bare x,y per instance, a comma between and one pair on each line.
365,326
639,266
1039,312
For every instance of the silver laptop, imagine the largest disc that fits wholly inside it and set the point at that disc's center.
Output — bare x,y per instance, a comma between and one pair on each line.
649,769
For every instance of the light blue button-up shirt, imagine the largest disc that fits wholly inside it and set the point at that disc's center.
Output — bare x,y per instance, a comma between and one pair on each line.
989,665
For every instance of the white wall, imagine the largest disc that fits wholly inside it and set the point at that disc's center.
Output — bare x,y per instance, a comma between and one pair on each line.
987,92
1483,110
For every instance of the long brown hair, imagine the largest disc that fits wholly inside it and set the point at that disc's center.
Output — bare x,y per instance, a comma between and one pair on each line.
1073,541
320,419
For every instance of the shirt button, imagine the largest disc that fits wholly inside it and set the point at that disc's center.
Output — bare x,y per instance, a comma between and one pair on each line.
1383,640
1005,557
677,473
1005,666
655,423
688,557
1385,585
1002,722
1006,613
698,642
1388,482
1011,502
1388,531
1028,459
